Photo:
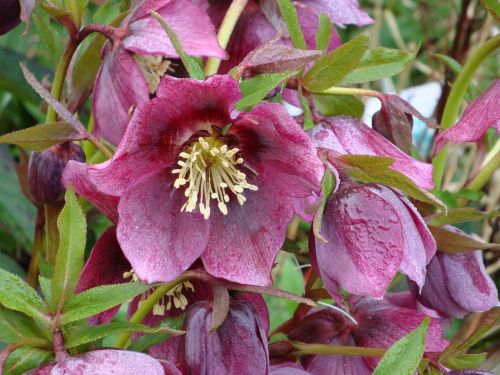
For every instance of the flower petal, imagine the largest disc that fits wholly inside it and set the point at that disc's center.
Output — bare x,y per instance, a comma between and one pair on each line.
157,238
347,135
193,27
341,12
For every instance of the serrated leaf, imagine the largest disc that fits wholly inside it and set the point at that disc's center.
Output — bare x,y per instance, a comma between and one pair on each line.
83,335
332,68
453,242
24,359
404,356
15,294
101,298
15,326
378,63
69,261
460,215
289,15
255,89
337,105
193,68
40,137
324,32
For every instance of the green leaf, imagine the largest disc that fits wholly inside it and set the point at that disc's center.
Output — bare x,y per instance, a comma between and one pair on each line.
324,32
330,69
15,294
460,215
191,64
377,169
255,89
69,261
308,119
48,36
404,356
335,105
464,361
9,264
328,184
146,341
24,359
40,137
378,63
452,242
84,335
289,15
453,64
15,326
101,298
492,6
45,286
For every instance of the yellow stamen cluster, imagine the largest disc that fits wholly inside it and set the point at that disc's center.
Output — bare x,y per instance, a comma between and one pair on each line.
210,170
153,67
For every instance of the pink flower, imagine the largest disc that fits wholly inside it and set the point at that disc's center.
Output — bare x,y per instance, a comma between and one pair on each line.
457,284
379,324
133,64
189,189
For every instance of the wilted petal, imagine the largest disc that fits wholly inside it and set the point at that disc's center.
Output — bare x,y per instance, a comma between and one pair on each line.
156,237
481,114
193,27
347,135
105,265
238,346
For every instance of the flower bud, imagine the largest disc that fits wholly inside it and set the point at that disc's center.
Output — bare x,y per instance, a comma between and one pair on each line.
45,170
11,15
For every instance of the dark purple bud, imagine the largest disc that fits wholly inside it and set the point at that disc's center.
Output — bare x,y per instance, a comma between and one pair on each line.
45,170
10,16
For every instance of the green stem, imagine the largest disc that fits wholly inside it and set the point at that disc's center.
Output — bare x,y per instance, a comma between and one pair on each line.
144,308
32,277
351,91
225,31
324,349
457,93
484,175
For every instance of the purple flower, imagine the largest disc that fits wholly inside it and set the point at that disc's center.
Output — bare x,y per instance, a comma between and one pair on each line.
132,65
239,345
190,188
481,114
379,324
13,12
457,284
373,232
108,361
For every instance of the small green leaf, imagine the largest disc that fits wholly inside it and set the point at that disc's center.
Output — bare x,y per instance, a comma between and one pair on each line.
15,294
101,298
15,326
453,64
328,185
289,15
324,32
492,6
404,356
255,89
331,69
146,341
25,359
69,262
378,63
191,64
83,335
336,105
464,361
308,119
460,215
40,137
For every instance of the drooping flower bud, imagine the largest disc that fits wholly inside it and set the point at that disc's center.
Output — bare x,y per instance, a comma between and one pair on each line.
13,12
45,170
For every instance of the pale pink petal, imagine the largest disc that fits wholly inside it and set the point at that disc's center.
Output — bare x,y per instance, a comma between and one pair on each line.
341,12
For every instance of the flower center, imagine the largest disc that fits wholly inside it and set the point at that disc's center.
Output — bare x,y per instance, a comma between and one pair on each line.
210,170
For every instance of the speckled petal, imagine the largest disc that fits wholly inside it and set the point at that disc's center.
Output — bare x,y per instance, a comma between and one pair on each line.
341,12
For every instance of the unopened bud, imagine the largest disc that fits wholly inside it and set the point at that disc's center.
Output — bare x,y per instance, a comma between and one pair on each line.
45,170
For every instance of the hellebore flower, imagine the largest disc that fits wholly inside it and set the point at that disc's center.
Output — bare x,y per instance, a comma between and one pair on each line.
238,346
108,361
456,284
13,12
379,324
481,114
372,232
261,21
187,189
132,64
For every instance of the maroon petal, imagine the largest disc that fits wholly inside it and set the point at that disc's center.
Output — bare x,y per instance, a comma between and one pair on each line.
193,27
481,114
119,86
366,240
239,345
347,135
381,324
159,127
341,12
105,265
75,174
157,238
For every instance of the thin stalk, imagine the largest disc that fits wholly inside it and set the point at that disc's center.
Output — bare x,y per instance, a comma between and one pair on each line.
351,91
455,98
324,349
225,31
484,175
100,146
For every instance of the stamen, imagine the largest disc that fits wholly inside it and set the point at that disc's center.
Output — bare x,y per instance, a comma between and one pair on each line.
209,170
